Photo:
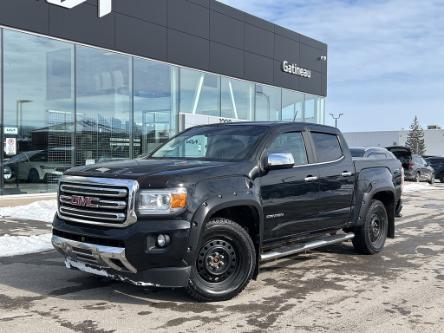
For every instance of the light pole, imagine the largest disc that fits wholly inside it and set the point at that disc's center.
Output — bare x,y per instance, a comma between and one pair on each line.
336,118
19,112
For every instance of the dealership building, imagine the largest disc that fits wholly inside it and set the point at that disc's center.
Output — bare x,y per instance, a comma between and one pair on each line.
83,82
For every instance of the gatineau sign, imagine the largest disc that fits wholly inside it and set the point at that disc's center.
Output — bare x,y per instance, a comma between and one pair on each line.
105,6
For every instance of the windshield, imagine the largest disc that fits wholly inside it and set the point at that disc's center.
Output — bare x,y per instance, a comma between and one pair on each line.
357,152
229,143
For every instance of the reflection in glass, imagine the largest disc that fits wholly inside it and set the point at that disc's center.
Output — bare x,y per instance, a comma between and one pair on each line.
199,92
154,96
237,99
103,106
314,109
268,103
38,111
119,107
292,105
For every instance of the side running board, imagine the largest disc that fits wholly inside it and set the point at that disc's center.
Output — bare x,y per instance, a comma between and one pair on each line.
302,247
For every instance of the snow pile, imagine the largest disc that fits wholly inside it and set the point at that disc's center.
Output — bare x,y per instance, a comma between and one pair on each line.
18,245
418,187
39,211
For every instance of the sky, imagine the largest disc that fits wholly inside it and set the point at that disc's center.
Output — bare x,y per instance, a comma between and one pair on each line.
385,58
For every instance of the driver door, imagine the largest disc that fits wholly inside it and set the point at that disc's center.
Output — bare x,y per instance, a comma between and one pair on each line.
289,196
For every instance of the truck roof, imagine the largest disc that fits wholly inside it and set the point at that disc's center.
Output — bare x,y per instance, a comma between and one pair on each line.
279,124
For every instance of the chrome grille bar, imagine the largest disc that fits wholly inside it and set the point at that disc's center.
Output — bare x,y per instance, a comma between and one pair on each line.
95,191
108,204
93,215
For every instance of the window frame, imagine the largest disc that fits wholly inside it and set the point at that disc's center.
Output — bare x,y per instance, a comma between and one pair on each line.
311,159
315,151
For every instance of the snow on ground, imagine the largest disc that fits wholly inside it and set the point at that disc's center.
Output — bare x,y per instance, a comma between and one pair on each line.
418,187
38,211
18,245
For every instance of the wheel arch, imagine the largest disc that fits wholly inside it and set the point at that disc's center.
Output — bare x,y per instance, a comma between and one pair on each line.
388,199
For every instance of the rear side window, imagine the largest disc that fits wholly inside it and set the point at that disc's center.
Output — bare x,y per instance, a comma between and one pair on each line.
377,156
290,143
357,152
327,147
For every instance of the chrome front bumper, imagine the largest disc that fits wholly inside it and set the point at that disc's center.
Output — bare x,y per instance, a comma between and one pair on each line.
105,257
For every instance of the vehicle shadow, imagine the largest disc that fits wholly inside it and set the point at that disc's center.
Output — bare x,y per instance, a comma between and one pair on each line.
45,275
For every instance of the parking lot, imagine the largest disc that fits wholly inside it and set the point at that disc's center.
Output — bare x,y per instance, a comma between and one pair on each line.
329,289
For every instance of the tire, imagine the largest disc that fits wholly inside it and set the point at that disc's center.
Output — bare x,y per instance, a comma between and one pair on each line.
371,236
418,177
442,180
432,180
225,263
33,176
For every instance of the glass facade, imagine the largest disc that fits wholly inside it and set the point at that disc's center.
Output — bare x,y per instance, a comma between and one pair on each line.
64,104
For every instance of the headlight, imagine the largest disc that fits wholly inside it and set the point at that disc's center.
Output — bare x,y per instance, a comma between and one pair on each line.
162,201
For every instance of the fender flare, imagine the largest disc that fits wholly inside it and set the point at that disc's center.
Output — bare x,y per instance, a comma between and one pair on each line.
211,206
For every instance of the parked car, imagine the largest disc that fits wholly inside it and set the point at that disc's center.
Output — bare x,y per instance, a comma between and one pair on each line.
207,207
371,152
37,165
437,163
415,167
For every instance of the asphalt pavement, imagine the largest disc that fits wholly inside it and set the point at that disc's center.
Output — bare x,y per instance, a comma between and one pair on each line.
330,289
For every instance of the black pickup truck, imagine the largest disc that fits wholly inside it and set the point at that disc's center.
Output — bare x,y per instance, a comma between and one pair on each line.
206,208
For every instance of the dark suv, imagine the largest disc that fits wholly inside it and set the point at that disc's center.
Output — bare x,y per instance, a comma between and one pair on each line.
415,167
437,163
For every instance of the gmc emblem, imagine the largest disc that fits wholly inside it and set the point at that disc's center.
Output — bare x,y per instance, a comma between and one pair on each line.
81,201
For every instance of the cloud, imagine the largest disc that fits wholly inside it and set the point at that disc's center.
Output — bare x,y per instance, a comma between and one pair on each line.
385,56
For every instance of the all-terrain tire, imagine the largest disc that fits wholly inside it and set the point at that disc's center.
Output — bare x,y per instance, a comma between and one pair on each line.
371,236
225,262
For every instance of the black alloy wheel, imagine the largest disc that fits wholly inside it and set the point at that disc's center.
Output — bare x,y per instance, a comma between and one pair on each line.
371,236
225,262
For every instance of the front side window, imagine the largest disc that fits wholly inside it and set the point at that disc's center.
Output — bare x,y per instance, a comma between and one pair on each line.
212,143
290,143
327,147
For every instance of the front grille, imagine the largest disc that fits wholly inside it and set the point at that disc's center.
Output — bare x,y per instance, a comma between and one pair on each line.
97,201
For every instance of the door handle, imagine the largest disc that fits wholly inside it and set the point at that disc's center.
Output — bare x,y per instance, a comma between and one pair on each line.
347,174
310,179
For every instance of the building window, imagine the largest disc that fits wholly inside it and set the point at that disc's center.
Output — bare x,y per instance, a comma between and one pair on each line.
314,109
154,105
199,93
103,106
38,112
292,105
268,103
237,99
65,105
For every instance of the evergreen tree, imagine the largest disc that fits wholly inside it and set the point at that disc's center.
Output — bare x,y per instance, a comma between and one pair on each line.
415,138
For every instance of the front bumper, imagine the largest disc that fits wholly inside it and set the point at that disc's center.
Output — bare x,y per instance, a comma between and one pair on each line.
125,253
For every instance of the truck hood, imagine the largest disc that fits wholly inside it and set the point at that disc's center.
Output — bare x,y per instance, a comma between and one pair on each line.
160,172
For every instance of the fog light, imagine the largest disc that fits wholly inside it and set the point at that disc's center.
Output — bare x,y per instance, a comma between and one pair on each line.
163,240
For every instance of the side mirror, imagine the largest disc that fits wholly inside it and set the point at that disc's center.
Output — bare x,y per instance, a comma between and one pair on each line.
280,161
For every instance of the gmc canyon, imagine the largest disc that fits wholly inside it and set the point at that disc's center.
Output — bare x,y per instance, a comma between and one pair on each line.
206,208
